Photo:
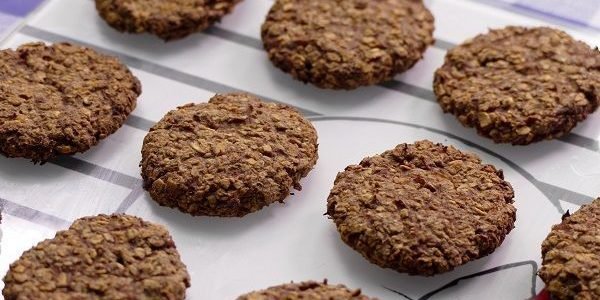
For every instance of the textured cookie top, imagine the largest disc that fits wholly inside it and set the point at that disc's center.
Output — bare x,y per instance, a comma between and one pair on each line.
422,208
571,256
60,99
228,157
344,44
168,19
520,85
306,290
101,257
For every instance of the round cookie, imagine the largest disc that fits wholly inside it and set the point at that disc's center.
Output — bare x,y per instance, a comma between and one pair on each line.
306,290
228,157
168,19
61,99
422,208
520,85
571,256
101,257
345,44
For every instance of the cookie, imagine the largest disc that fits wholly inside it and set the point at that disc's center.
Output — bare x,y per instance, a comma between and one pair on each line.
61,99
571,256
168,19
306,290
101,257
345,44
520,85
422,208
228,157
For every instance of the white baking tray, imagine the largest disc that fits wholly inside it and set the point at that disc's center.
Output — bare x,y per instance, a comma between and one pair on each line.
292,241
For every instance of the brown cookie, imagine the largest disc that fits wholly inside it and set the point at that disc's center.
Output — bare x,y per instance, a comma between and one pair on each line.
345,44
61,99
571,256
422,208
520,85
306,290
168,19
101,257
228,157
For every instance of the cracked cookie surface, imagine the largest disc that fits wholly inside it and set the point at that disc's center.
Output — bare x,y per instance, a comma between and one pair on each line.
101,257
345,44
228,157
422,208
571,256
168,19
520,85
61,99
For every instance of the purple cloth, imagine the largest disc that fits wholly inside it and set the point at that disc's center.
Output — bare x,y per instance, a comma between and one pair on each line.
579,12
18,7
7,21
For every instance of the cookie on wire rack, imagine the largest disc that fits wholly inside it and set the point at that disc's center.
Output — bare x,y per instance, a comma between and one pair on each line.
520,85
422,208
167,19
336,44
306,290
571,255
61,99
101,257
229,157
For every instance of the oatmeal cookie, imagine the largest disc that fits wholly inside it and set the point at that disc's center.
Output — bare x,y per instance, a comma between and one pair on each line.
101,257
168,19
306,290
345,44
422,208
228,157
61,99
520,85
571,256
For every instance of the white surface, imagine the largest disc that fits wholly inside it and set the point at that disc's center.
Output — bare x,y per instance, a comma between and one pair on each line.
57,191
294,241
